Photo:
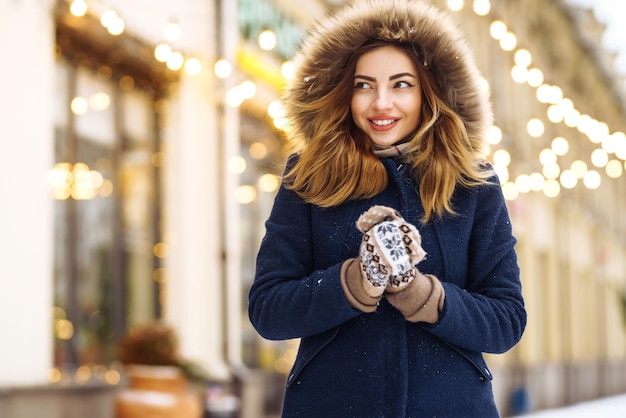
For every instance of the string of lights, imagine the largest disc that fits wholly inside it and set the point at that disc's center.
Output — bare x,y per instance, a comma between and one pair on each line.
611,145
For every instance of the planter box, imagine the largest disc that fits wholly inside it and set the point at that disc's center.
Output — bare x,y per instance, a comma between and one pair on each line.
158,392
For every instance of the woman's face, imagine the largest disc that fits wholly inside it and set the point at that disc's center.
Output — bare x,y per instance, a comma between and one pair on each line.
387,95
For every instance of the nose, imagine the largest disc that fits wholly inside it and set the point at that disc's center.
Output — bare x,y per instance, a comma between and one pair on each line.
383,100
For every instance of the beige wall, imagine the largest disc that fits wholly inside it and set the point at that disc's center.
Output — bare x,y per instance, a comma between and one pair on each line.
26,154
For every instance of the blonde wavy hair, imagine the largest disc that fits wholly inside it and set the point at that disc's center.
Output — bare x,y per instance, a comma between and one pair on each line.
337,163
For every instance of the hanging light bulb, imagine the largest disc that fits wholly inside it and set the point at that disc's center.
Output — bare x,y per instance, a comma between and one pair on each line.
560,146
519,74
535,128
78,8
267,40
508,42
537,181
497,29
162,52
502,158
171,32
112,22
193,66
599,158
523,57
613,169
288,70
551,188
547,157
222,68
494,135
551,171
535,77
568,179
482,7
592,179
175,61
455,5
510,191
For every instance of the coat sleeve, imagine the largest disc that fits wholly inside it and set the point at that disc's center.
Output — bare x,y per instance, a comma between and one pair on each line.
291,297
487,314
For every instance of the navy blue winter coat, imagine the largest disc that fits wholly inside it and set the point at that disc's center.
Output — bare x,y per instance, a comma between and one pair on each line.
353,364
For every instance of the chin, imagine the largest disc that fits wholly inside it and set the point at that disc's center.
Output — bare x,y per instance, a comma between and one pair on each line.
386,144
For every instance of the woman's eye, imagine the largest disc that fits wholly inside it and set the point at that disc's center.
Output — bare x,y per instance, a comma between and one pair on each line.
403,84
361,85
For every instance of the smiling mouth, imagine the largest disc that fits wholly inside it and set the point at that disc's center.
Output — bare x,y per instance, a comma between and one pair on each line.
382,122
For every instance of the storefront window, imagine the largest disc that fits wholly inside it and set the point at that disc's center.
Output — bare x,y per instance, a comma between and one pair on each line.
106,213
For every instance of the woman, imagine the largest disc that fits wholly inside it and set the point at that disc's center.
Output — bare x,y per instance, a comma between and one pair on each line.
389,249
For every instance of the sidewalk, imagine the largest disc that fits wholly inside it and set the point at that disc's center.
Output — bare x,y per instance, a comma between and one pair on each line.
613,407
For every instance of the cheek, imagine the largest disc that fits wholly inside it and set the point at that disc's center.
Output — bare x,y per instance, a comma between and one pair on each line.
416,108
355,109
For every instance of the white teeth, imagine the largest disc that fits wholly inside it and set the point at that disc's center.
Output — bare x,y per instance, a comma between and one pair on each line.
382,122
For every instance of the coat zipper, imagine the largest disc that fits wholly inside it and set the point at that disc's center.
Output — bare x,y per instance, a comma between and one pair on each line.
296,373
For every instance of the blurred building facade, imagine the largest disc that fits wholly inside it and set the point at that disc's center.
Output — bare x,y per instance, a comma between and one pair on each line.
141,147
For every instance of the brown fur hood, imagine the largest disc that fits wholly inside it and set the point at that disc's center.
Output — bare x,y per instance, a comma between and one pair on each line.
330,44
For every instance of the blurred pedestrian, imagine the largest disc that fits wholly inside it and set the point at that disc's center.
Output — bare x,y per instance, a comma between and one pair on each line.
389,249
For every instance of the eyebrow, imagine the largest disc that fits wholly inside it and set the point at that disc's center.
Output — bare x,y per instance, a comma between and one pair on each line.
393,77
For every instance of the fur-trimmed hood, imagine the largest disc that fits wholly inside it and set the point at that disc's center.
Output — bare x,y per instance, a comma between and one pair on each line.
444,49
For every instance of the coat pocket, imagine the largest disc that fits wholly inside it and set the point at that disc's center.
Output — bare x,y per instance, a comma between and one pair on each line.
476,359
309,347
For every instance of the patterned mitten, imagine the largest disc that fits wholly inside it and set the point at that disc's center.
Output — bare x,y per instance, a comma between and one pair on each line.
421,300
390,249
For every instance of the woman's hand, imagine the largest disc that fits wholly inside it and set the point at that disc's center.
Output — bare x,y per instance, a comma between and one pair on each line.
389,253
390,249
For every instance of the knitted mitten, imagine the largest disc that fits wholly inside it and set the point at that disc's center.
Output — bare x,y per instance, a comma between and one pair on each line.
364,279
421,300
360,293
390,249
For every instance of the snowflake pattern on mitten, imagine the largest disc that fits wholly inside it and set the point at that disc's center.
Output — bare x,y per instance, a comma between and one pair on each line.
394,251
375,271
391,247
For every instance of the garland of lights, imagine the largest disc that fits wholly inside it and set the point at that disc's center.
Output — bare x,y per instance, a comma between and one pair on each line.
561,109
